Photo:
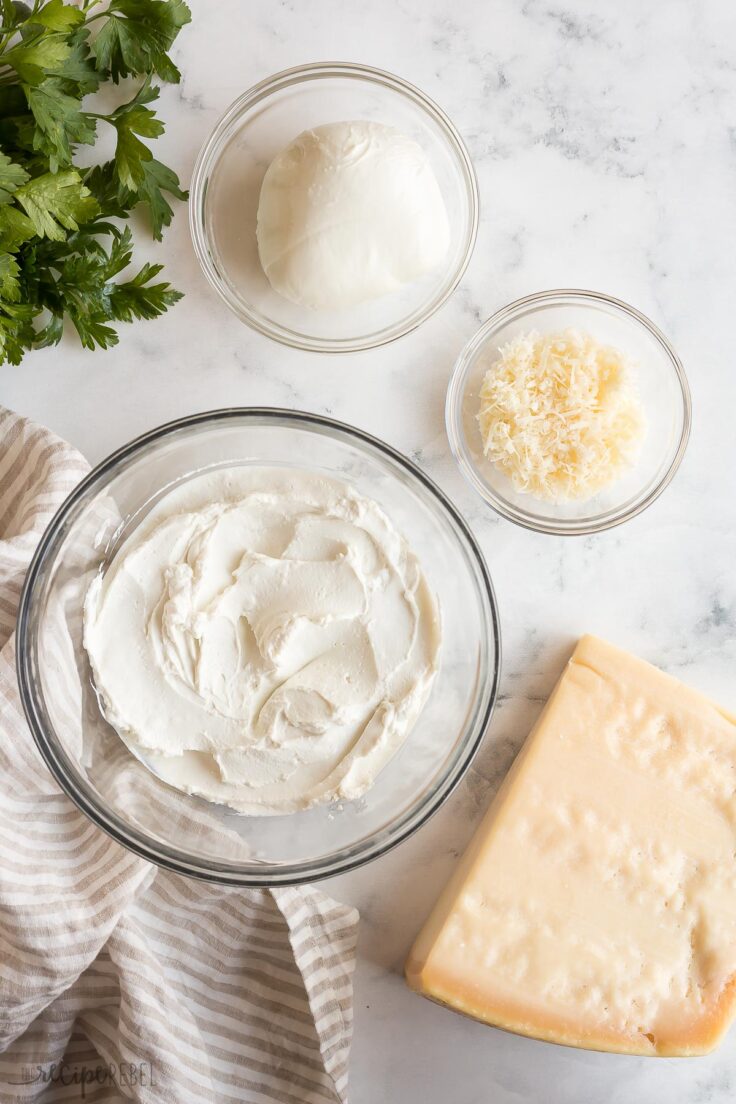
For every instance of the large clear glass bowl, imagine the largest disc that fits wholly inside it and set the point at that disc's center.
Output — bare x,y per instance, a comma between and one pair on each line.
663,389
226,186
188,834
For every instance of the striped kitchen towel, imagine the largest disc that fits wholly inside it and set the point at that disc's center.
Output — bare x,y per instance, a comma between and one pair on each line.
119,981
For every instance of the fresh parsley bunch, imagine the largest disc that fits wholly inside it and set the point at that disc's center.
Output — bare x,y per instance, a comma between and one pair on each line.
59,251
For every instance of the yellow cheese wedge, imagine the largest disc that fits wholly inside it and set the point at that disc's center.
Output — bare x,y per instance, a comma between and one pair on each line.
596,906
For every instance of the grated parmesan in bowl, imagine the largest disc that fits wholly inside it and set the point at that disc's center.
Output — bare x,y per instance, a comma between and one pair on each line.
545,413
560,414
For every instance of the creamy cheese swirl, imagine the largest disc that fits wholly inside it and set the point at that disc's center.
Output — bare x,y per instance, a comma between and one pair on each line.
265,639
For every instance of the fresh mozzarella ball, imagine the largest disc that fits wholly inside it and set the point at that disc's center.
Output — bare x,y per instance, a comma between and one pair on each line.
349,212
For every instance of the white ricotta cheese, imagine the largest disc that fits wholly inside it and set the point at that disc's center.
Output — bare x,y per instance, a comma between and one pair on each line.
265,639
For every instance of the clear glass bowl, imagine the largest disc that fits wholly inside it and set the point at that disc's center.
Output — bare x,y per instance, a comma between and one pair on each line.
188,834
226,187
662,385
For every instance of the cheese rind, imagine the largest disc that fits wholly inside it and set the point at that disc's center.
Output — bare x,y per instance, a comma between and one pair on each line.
596,905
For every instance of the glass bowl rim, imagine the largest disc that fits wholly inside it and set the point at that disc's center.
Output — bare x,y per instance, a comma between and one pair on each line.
63,768
572,527
209,155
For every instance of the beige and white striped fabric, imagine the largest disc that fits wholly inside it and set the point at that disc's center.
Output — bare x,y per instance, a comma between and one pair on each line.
119,981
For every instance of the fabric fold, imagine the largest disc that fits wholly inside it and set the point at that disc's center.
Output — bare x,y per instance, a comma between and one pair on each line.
119,981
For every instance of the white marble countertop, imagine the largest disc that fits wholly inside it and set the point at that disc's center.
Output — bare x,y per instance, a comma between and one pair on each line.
605,145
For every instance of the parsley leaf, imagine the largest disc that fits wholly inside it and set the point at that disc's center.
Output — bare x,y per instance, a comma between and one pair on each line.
102,182
33,59
120,255
56,202
16,331
139,298
130,153
15,228
137,36
78,72
115,199
93,300
157,179
11,177
58,16
63,253
9,271
60,122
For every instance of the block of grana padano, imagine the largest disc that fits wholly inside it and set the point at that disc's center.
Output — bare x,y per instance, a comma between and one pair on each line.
596,906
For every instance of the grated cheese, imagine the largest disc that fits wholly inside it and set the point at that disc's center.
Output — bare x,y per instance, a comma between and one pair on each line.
560,414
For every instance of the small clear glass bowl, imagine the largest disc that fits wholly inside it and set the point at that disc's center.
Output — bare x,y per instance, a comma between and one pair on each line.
663,389
188,834
226,186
